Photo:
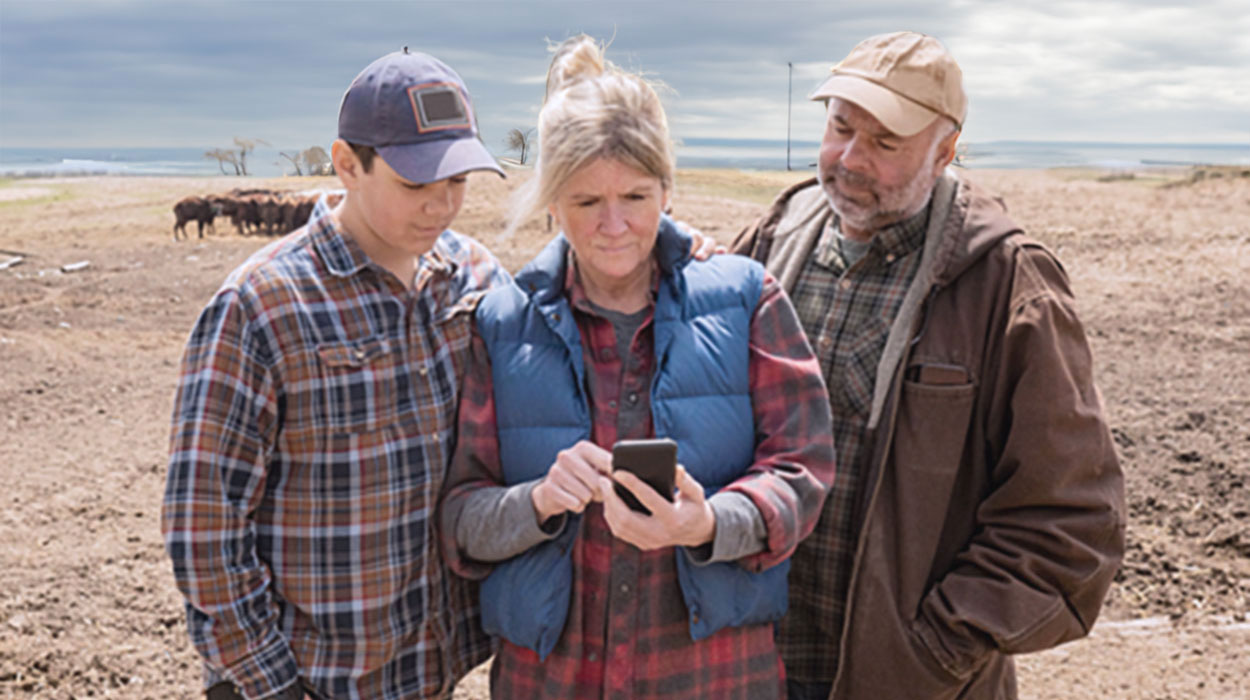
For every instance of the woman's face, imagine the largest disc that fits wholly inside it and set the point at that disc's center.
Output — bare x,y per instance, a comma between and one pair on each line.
610,212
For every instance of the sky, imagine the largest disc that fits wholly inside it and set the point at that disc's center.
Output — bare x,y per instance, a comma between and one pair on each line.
116,73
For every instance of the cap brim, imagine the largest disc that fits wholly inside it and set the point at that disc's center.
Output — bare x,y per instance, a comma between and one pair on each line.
432,161
895,112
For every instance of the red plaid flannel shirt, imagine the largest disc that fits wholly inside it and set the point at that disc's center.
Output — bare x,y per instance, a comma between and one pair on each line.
627,633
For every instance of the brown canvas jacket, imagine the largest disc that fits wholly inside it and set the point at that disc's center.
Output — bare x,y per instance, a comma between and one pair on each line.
993,514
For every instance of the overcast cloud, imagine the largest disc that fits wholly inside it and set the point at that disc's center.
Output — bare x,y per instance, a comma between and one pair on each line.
117,73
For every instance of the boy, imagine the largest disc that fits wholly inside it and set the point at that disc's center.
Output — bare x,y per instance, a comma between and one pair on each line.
315,411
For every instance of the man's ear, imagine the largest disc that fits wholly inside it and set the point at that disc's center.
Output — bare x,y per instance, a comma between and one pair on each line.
946,150
346,164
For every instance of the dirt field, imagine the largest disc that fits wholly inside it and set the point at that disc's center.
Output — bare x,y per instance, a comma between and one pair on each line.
88,359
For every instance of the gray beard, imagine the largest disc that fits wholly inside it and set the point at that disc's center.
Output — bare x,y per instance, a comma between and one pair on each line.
882,218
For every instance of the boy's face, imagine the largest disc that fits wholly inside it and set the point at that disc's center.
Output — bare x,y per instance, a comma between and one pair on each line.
394,217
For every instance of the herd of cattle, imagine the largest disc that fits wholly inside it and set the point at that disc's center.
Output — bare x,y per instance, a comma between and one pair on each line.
267,212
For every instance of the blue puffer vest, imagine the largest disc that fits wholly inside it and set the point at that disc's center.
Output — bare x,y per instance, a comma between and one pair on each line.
700,397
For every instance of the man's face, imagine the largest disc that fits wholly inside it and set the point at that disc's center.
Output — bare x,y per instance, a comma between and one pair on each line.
872,176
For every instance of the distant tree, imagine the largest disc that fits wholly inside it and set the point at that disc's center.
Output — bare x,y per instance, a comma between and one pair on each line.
295,160
246,146
317,161
310,161
518,140
223,156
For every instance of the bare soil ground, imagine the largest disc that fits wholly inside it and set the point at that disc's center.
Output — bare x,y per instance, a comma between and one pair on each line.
88,364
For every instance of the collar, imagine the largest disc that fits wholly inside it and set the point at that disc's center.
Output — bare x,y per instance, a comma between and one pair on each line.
550,273
344,257
577,293
891,243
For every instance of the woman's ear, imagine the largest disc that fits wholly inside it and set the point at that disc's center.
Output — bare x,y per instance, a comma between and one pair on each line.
555,217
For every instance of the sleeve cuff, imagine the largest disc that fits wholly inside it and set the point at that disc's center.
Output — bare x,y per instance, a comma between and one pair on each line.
549,529
267,672
500,523
225,690
740,530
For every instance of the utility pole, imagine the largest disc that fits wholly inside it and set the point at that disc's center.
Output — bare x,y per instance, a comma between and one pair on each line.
789,100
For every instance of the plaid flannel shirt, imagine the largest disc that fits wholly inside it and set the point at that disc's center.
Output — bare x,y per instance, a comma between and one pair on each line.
627,633
310,437
846,312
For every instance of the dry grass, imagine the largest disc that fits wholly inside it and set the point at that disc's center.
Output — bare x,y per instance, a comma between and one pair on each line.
88,365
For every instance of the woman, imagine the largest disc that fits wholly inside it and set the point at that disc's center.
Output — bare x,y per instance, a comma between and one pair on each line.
612,332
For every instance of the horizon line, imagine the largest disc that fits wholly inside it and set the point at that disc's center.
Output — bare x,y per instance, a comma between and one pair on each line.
709,140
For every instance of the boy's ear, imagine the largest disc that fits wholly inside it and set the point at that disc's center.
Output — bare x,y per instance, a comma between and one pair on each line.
346,164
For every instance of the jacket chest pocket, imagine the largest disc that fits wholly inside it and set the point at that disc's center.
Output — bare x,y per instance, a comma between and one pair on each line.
362,384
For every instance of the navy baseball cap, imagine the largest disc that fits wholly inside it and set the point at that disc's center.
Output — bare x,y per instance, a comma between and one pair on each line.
415,112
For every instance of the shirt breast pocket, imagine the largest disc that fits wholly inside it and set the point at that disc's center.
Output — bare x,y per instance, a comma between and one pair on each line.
362,384
858,376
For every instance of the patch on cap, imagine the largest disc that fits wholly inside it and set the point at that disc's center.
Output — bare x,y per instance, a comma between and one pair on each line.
438,106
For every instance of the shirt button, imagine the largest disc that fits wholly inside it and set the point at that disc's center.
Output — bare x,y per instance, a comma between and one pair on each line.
556,317
825,342
633,397
624,589
359,354
592,657
611,404
423,370
889,257
845,284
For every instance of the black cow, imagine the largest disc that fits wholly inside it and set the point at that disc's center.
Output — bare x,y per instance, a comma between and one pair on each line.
193,208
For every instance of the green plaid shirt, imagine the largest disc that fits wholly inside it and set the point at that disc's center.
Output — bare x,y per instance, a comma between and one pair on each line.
846,312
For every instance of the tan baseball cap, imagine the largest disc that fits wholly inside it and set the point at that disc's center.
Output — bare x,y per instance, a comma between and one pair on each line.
904,79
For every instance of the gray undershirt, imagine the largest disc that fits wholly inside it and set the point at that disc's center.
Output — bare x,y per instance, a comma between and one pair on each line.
852,250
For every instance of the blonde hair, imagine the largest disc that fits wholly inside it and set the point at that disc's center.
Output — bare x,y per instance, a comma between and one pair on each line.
593,109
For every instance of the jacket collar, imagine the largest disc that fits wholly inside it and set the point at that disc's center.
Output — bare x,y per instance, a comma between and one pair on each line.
964,223
543,278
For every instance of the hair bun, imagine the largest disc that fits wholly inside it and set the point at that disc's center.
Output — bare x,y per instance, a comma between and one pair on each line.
593,109
575,59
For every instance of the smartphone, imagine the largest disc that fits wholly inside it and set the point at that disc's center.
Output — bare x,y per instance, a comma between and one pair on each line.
653,461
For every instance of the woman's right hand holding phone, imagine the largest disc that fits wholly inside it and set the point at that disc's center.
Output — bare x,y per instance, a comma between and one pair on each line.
578,477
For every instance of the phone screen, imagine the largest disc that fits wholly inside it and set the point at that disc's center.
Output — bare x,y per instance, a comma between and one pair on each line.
653,461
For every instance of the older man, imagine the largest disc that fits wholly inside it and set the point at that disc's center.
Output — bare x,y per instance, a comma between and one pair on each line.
978,510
